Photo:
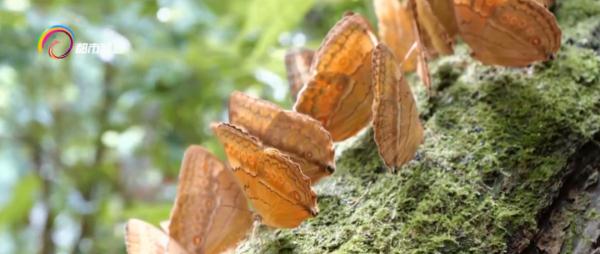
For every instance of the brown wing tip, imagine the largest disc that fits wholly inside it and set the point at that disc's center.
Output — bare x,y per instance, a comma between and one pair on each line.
244,97
192,153
380,50
233,97
356,18
238,96
235,93
215,126
194,149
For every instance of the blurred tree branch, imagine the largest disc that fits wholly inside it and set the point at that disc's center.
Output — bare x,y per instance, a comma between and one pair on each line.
87,222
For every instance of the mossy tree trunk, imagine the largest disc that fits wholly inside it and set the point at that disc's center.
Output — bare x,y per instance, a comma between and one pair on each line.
510,164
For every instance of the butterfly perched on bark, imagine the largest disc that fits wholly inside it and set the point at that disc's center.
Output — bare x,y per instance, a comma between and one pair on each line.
275,185
339,93
356,80
508,32
299,136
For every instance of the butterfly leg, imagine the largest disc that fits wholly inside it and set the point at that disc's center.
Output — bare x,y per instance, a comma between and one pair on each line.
257,221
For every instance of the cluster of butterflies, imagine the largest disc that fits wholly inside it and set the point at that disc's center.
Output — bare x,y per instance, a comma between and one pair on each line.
351,81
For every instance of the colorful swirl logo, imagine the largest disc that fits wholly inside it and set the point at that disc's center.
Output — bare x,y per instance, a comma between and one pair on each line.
56,29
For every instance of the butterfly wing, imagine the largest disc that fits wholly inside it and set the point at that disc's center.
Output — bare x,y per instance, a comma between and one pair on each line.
510,32
143,238
443,10
301,137
210,214
397,129
297,64
279,191
441,40
396,30
339,93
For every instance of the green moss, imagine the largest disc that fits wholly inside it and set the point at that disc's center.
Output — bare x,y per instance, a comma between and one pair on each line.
496,144
572,12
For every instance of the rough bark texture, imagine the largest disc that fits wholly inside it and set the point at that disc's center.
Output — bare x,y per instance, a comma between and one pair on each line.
510,164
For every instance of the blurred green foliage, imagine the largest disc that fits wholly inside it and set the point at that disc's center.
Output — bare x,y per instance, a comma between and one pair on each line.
92,140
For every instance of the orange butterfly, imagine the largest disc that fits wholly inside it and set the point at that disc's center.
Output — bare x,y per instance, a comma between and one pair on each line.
500,32
396,29
397,129
275,185
508,32
302,138
339,93
210,214
399,28
431,27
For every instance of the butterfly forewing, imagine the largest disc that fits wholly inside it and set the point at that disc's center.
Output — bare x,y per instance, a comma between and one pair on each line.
397,129
297,64
441,40
301,137
396,30
253,114
508,32
279,191
339,93
443,10
424,44
210,214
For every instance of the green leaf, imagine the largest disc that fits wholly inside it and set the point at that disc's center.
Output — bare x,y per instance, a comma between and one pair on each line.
24,196
270,18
